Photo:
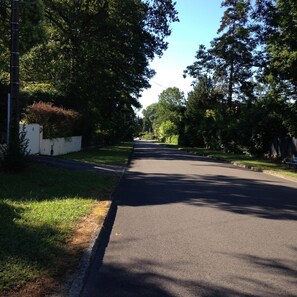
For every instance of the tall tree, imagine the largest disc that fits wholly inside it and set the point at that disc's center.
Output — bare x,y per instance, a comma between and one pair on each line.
168,112
280,37
31,31
99,52
171,106
149,116
230,57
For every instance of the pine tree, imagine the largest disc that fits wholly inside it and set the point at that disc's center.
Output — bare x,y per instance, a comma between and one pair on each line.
230,59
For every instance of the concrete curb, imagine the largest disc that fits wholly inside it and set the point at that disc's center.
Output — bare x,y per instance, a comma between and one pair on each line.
89,255
247,167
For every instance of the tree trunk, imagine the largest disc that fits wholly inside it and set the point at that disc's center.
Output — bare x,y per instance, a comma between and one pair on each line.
230,83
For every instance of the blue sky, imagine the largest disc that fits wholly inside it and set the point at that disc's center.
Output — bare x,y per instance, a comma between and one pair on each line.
199,22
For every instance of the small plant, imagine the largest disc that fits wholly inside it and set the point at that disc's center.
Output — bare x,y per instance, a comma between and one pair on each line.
13,157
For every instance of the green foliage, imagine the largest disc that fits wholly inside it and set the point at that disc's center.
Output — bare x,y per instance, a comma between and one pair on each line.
148,136
149,116
166,117
281,41
56,121
97,57
230,59
91,56
31,31
14,157
173,139
166,130
251,66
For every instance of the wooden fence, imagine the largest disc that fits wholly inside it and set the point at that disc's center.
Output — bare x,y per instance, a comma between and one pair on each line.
284,147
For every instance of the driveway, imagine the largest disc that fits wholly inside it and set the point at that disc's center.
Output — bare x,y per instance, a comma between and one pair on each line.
192,226
114,170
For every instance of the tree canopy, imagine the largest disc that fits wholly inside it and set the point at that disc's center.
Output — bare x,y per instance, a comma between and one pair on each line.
92,56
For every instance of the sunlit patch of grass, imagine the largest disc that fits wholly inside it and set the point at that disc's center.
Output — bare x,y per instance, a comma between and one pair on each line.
39,209
116,154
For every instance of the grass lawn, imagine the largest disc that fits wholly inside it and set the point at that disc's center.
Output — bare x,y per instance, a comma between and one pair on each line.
39,209
116,154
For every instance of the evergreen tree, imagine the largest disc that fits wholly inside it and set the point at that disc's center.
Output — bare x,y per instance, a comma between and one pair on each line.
230,57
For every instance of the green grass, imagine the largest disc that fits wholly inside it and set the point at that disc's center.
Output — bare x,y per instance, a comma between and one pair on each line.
39,209
116,154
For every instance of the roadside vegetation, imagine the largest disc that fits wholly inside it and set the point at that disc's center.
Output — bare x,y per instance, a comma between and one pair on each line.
244,96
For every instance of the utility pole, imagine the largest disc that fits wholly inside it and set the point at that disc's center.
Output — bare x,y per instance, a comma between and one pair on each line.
14,77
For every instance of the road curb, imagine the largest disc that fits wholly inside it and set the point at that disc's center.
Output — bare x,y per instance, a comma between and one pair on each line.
86,260
81,275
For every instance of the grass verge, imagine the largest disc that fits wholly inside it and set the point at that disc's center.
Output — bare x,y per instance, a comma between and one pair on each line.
39,209
116,154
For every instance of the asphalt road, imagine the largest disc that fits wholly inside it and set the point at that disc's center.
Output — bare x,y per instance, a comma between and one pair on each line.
114,170
191,226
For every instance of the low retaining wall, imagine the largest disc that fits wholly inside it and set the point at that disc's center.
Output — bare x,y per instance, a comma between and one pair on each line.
60,146
49,147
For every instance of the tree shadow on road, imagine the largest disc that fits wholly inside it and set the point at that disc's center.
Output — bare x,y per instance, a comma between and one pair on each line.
147,277
254,197
152,278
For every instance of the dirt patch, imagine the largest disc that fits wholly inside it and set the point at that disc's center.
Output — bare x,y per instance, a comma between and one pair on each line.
58,283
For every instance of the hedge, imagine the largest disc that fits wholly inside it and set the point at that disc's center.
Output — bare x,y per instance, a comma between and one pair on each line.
56,121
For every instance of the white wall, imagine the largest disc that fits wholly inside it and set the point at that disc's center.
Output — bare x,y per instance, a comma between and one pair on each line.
54,147
60,146
33,135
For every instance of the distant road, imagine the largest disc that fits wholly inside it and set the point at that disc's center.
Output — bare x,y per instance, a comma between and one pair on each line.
191,226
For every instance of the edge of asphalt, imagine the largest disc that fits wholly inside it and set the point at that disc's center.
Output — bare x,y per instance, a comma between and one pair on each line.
78,282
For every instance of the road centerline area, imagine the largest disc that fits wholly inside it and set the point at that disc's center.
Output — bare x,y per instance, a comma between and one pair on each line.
192,226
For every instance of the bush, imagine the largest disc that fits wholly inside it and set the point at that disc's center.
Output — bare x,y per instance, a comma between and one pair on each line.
14,157
167,129
39,92
148,136
172,139
56,121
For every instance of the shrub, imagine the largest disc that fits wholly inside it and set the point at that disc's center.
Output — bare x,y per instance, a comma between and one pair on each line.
167,129
14,156
34,92
148,136
172,139
56,121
